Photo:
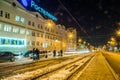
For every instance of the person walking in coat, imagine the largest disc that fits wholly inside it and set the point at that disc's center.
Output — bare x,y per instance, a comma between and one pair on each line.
61,53
54,53
34,54
37,53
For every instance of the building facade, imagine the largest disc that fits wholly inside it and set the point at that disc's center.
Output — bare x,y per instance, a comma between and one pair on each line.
22,30
71,39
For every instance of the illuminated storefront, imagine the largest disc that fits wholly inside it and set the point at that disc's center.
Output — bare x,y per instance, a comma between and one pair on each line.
12,42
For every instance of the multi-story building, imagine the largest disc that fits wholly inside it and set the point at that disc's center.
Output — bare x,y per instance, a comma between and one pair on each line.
22,30
71,39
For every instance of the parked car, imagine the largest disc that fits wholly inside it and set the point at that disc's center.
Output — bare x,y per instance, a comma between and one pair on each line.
7,56
28,53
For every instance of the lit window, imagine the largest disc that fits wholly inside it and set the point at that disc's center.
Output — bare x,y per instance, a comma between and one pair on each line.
22,31
28,43
15,29
22,20
0,26
17,18
27,32
7,28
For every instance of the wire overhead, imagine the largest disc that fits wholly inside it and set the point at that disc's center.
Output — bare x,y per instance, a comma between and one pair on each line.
74,19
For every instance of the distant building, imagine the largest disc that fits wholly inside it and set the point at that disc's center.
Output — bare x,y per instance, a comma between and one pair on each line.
71,39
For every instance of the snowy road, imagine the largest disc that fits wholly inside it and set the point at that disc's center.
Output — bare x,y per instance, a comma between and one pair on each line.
92,66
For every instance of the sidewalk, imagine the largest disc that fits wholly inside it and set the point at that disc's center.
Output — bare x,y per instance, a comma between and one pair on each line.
27,60
97,70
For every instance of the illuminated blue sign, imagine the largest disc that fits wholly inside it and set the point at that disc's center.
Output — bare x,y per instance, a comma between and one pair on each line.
30,4
25,3
12,42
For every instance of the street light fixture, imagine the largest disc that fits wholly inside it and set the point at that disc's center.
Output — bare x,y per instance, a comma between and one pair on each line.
47,23
118,32
79,40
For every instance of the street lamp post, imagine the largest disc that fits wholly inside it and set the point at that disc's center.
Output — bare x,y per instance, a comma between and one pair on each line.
44,36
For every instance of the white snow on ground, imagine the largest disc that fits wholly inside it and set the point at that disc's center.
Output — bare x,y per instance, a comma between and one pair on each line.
32,74
64,73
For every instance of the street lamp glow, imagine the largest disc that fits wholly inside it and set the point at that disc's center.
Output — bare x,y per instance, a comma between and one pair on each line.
70,36
118,32
56,40
84,42
49,23
112,39
79,40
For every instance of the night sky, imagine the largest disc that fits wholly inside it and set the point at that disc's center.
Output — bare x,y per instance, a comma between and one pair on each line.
95,20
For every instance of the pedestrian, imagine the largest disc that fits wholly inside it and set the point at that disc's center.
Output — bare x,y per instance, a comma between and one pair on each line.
61,53
34,54
46,55
54,53
37,53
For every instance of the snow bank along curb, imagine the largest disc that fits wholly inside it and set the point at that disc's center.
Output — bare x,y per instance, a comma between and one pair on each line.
35,73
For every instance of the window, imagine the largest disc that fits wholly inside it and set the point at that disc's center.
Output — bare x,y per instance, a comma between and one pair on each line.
29,22
33,33
0,26
7,28
15,29
45,27
41,35
48,29
7,15
33,24
41,44
22,31
48,37
37,43
27,32
33,43
17,18
28,43
38,25
41,27
37,34
1,13
22,20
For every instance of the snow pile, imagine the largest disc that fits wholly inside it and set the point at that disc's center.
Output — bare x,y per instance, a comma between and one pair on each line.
32,74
